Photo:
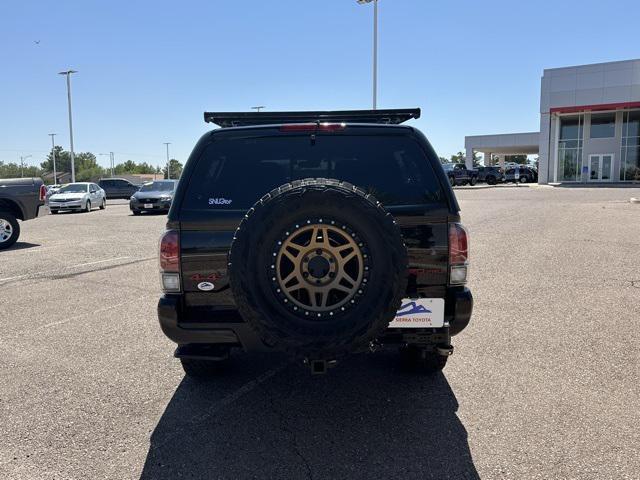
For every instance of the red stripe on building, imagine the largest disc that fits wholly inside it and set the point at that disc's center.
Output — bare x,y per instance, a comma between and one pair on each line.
602,106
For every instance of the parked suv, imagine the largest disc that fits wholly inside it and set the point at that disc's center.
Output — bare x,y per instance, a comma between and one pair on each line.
490,175
318,234
118,187
458,174
521,174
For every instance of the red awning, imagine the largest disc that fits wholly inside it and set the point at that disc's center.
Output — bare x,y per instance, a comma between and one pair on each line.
594,108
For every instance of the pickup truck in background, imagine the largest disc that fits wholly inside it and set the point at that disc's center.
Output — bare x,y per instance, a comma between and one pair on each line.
20,199
458,174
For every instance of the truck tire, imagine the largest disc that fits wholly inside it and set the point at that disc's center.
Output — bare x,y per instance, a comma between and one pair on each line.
9,230
473,181
491,180
318,268
452,181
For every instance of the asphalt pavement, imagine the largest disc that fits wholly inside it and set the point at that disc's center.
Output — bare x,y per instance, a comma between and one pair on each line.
544,383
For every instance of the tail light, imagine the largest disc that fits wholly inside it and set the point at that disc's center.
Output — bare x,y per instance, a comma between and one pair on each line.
43,193
458,254
170,261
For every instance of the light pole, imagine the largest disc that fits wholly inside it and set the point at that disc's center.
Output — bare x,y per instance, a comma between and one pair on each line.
168,167
258,108
111,157
53,154
22,159
375,49
73,161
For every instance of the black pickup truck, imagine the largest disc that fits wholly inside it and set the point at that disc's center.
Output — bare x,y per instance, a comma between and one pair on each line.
20,199
459,174
314,233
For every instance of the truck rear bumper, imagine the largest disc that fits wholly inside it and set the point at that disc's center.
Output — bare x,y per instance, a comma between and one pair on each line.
458,308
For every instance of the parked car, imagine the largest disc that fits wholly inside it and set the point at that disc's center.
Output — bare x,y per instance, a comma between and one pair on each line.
458,174
154,196
20,199
51,189
490,175
521,174
317,234
118,187
80,196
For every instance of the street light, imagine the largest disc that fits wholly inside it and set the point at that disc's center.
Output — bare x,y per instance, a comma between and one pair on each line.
22,159
258,108
53,154
375,48
168,167
111,160
73,161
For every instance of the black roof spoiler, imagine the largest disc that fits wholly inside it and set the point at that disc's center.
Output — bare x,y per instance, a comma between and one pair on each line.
240,119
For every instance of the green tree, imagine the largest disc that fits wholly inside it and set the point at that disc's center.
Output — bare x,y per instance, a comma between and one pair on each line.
461,157
85,164
175,168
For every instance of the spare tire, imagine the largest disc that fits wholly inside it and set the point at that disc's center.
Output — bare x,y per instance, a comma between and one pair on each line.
318,268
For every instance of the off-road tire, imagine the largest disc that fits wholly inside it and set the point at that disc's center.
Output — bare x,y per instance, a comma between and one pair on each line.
15,229
415,360
524,179
203,369
473,181
327,204
491,180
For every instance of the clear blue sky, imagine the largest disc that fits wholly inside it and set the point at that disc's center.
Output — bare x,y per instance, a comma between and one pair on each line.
148,69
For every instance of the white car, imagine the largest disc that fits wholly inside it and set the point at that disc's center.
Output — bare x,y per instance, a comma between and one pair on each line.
80,196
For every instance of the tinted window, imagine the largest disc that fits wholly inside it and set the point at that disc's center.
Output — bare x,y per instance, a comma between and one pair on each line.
106,183
603,125
393,168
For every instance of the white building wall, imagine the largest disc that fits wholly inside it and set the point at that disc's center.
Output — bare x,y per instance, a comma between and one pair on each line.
586,85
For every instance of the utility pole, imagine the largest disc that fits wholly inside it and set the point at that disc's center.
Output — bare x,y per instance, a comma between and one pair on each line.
258,108
168,165
53,154
375,49
73,161
22,159
112,158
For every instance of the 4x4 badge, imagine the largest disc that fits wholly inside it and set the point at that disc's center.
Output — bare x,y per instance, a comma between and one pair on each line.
206,286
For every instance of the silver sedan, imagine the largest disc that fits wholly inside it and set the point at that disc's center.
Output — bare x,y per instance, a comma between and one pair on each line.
79,196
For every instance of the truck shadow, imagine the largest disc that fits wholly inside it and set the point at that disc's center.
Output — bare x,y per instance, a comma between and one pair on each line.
22,246
364,419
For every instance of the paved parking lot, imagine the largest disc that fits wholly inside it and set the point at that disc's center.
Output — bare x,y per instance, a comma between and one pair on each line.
545,382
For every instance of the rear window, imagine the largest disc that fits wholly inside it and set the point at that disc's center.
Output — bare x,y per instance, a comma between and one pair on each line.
234,172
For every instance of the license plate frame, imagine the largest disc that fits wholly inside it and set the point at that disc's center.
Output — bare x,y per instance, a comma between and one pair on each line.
419,313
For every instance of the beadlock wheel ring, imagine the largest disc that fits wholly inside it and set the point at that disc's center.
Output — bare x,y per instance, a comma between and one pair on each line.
321,268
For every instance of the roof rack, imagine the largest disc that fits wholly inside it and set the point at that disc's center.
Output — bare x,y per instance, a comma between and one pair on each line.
240,119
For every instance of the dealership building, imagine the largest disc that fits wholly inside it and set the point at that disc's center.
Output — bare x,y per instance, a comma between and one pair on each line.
589,126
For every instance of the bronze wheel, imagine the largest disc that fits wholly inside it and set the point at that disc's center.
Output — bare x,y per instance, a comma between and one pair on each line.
320,267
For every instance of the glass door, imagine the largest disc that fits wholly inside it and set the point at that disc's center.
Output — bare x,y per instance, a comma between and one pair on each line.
600,167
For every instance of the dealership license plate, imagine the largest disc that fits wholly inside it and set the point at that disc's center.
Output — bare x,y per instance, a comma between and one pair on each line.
148,205
419,313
